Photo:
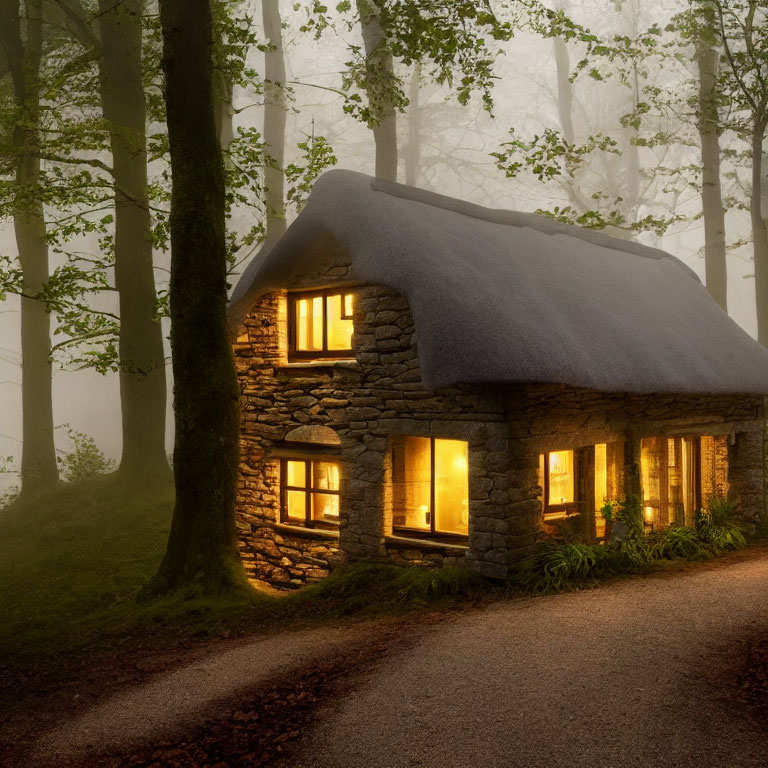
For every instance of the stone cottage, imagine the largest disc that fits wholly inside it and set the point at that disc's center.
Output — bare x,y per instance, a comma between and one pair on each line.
426,381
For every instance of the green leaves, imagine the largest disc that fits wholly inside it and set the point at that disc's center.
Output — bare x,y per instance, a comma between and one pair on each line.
317,155
549,155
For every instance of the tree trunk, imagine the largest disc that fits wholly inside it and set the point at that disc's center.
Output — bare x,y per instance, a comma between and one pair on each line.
38,458
711,195
142,357
759,232
274,121
564,89
202,545
413,148
379,69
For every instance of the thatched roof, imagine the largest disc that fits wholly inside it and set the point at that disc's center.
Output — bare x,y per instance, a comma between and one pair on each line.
500,296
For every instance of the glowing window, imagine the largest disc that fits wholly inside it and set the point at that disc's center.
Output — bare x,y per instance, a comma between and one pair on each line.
321,324
310,492
671,470
430,479
560,473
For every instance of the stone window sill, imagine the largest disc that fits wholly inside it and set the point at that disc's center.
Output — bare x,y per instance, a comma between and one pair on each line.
309,533
297,365
409,543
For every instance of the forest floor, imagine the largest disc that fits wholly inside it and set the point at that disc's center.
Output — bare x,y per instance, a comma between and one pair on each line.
699,633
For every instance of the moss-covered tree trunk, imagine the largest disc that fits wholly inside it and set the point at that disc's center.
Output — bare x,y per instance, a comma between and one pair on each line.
142,375
23,51
202,544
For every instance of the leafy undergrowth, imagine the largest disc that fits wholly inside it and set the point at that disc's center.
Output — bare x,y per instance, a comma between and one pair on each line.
555,567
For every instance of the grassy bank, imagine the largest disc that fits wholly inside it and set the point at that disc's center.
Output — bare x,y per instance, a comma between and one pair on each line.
73,560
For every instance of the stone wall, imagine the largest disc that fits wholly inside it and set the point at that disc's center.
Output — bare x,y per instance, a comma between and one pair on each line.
368,400
745,473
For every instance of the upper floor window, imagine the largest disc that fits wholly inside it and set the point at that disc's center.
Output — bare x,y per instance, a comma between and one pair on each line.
320,324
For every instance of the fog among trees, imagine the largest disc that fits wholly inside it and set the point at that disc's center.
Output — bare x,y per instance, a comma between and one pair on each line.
646,120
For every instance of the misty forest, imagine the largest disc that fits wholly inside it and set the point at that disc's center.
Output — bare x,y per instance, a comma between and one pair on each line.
323,326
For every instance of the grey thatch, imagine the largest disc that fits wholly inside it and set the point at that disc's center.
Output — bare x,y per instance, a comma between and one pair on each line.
500,296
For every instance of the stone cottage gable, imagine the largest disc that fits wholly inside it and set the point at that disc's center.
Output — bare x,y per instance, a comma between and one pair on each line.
390,413
371,402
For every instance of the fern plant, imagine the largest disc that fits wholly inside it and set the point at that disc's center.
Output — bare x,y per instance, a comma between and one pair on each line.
677,541
718,526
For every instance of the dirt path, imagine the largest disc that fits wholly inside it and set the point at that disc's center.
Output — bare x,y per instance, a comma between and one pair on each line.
638,673
173,700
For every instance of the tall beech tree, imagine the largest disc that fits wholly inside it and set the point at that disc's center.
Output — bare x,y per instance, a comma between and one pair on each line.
743,28
446,37
114,36
275,105
22,42
201,548
142,358
382,90
707,64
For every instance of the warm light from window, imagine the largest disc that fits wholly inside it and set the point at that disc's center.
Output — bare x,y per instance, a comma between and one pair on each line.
416,488
560,477
339,322
324,323
451,486
311,491
309,324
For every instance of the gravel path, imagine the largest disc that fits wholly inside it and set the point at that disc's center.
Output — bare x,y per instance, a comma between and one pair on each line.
172,701
634,674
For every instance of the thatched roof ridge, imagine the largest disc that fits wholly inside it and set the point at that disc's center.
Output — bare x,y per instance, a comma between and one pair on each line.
501,296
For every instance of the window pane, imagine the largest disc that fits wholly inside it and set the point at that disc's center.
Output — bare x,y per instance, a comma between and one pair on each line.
296,505
411,479
675,481
296,474
601,486
309,324
325,506
560,477
348,304
688,478
708,481
339,330
451,486
325,476
651,464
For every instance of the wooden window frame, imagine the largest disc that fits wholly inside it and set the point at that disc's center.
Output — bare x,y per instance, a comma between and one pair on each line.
431,534
308,492
316,354
570,507
664,505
